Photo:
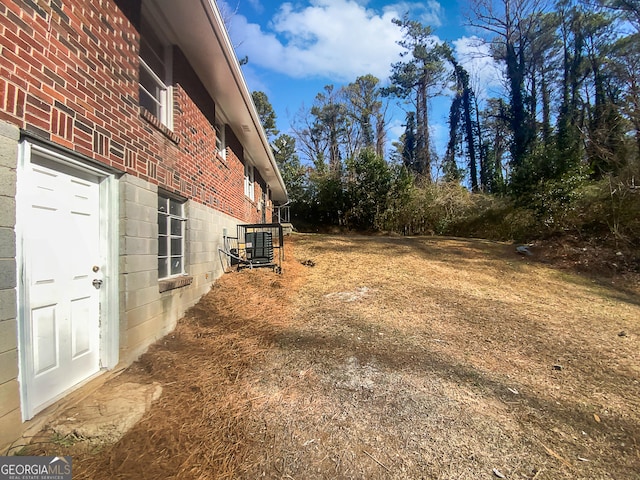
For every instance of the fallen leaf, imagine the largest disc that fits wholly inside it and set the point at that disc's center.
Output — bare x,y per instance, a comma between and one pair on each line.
556,456
498,473
596,417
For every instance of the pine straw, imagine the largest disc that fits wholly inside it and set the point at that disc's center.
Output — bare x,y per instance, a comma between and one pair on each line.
198,428
391,358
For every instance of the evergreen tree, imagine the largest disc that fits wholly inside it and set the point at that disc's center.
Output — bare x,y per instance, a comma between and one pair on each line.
368,184
409,147
292,171
461,125
414,80
266,113
512,23
365,106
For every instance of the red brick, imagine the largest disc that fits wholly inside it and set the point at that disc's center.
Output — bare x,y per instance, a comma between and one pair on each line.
87,65
9,56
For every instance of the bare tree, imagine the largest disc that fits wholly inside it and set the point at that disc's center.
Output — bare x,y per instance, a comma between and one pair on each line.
512,23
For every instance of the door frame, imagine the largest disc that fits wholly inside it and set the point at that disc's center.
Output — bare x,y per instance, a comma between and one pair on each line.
109,327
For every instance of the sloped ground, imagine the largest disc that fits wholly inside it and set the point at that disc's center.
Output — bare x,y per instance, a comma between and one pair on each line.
391,358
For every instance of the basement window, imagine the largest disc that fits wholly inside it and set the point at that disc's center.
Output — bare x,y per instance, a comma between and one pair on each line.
171,237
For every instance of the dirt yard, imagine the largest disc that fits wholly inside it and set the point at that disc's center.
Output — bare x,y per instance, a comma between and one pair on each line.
391,358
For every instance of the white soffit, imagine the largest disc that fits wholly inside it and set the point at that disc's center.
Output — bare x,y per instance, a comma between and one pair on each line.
199,32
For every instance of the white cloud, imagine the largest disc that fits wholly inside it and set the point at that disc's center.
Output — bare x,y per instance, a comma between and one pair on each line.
257,6
486,74
334,39
428,13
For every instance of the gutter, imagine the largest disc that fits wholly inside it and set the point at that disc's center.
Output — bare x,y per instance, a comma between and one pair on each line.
215,19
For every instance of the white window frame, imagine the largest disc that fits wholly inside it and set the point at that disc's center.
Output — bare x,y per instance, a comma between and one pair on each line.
171,214
221,144
249,181
163,95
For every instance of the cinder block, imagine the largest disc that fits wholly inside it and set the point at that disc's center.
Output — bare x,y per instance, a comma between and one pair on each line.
145,333
194,246
195,214
137,211
137,228
7,212
148,197
8,153
8,304
7,181
139,280
9,397
140,246
9,133
8,366
198,269
138,263
10,428
198,258
7,242
141,296
142,315
199,235
127,180
194,224
8,335
7,273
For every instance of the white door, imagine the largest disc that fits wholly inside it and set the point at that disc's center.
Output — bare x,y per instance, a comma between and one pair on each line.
61,259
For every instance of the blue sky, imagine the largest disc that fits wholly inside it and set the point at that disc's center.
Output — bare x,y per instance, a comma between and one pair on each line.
296,48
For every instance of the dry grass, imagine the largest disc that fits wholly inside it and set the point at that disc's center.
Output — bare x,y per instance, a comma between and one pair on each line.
392,358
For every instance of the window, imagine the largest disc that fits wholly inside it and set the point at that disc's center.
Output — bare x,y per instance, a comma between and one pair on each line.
221,147
248,181
171,233
155,76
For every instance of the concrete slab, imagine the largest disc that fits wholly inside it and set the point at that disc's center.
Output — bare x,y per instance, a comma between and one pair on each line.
108,413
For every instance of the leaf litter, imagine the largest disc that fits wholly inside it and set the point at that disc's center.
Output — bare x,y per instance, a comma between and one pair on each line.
393,358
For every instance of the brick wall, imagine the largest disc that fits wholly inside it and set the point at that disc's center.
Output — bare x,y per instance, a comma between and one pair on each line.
69,74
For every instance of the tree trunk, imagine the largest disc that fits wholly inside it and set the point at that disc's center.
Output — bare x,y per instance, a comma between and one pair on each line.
381,135
546,110
422,128
518,116
468,123
484,181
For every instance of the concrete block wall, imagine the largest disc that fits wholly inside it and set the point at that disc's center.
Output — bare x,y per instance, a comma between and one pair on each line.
205,230
141,311
146,313
10,416
69,76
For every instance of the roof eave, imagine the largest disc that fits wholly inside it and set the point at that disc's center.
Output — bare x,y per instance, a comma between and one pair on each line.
198,30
